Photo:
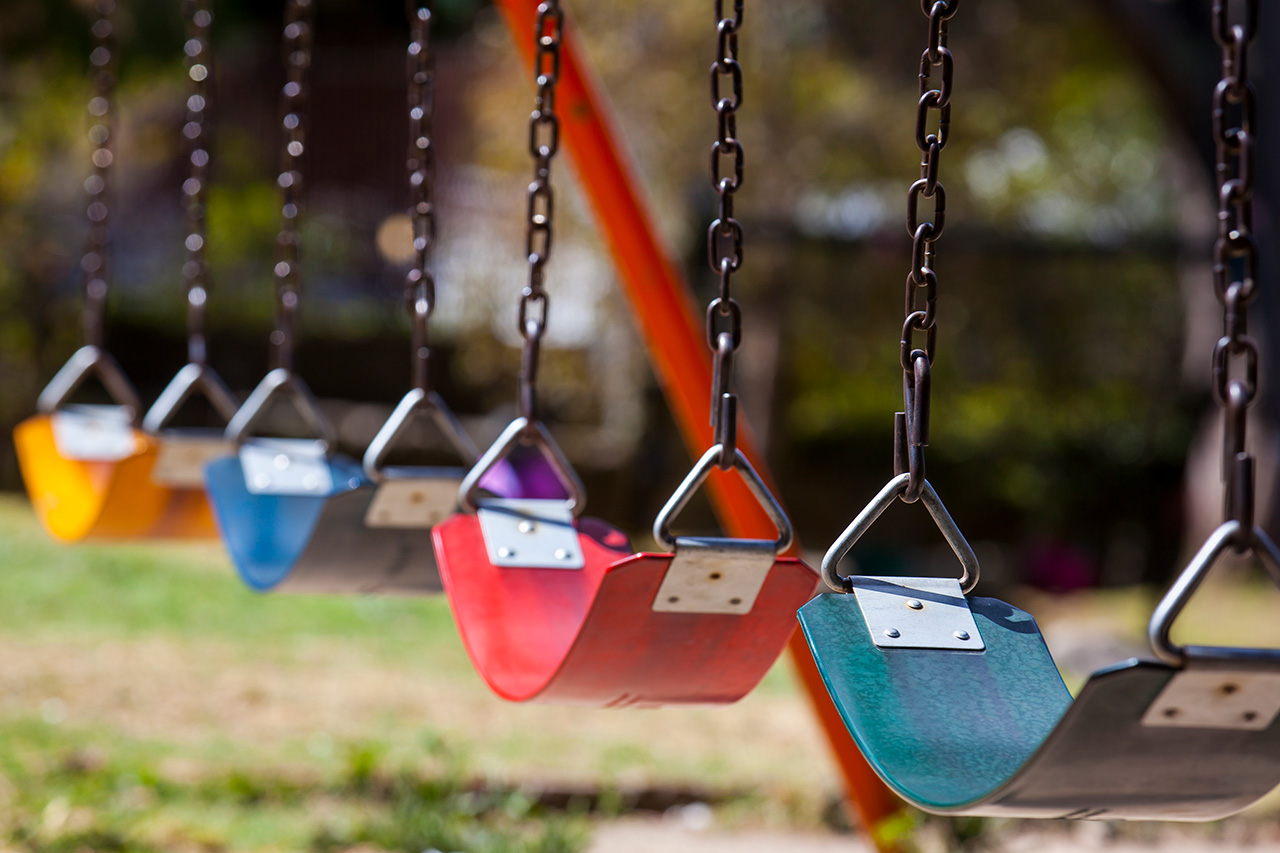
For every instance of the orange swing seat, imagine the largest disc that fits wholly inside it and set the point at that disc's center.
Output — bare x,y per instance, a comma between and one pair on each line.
89,470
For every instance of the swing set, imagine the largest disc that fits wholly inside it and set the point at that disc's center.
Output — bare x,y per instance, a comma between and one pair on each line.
951,702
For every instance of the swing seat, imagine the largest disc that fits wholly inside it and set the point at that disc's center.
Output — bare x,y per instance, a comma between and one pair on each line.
90,472
992,731
296,520
89,476
591,635
554,608
321,541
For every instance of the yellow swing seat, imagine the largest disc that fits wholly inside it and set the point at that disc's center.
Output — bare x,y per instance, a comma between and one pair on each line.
88,468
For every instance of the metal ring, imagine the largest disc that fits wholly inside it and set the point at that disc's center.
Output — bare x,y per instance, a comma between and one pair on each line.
698,475
416,402
1184,587
274,384
192,377
84,361
524,431
872,511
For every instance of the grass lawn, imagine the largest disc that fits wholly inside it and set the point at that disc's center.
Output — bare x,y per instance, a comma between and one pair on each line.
148,701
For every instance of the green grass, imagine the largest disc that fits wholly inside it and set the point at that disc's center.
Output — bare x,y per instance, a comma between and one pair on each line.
74,790
184,592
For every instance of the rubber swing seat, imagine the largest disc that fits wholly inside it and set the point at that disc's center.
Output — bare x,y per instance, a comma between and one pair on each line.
592,637
82,500
608,632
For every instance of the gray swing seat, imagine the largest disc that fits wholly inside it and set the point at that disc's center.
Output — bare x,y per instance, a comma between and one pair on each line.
958,706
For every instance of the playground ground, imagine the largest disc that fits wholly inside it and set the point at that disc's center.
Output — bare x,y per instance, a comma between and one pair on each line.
149,703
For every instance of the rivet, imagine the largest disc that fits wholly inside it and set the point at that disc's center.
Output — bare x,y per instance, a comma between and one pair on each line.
1250,716
892,633
310,482
961,635
1170,713
1229,688
506,552
735,601
262,481
353,483
915,604
673,599
281,462
715,576
562,554
525,526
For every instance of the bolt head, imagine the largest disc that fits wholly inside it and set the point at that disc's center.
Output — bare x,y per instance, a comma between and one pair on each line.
525,526
506,552
562,554
961,635
892,633
915,604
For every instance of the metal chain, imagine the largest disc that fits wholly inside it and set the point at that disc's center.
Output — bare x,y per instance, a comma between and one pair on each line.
95,264
725,234
195,133
1235,256
911,427
544,141
298,34
420,284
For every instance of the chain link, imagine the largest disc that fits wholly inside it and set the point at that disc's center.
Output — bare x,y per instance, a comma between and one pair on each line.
298,35
544,142
195,133
420,284
725,234
95,264
1235,255
937,69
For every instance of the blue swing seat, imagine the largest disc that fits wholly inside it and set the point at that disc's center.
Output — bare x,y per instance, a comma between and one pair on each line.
995,733
957,703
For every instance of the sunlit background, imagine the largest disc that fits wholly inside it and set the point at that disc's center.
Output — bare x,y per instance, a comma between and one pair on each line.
1073,430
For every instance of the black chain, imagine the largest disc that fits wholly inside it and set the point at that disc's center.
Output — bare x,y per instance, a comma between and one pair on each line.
298,33
1235,255
725,234
420,284
544,141
911,426
95,264
195,133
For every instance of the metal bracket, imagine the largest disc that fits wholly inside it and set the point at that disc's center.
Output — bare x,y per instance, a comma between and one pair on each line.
94,433
286,466
917,613
530,534
182,454
709,575
415,502
1217,698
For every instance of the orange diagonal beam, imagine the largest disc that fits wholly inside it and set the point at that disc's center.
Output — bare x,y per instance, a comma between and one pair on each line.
671,326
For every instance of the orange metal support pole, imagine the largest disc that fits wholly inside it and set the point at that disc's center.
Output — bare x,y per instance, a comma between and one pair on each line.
672,328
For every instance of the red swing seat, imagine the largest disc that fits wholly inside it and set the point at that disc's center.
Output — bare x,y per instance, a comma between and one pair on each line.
592,636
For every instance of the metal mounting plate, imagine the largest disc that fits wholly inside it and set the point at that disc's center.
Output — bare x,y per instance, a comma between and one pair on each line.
1217,698
415,502
286,466
182,454
94,433
530,534
917,613
709,575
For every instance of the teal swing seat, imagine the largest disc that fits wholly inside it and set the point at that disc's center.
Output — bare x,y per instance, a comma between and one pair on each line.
992,730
